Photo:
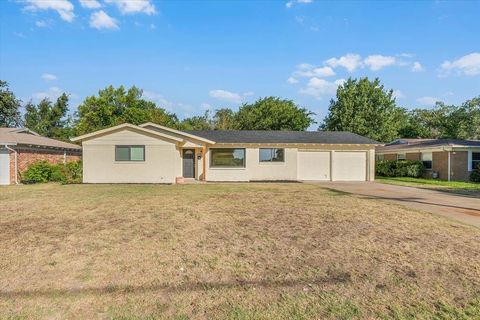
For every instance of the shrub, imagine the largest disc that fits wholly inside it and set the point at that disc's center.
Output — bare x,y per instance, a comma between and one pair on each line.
43,171
400,168
475,175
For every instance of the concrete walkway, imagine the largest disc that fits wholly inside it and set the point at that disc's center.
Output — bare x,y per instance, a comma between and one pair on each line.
462,208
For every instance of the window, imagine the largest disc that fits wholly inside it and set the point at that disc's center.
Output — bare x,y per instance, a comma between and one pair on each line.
272,155
427,160
380,157
401,156
475,160
227,158
129,153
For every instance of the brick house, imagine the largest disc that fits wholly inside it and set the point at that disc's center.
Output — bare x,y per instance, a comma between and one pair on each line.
21,147
449,159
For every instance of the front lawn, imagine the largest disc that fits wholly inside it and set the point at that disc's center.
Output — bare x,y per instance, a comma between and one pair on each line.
229,251
449,186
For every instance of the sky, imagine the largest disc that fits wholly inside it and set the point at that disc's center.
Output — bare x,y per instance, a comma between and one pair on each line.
190,56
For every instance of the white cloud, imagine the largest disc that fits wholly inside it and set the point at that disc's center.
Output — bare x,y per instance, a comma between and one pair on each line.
309,71
63,7
292,80
134,6
377,61
417,67
90,4
41,23
467,65
318,88
349,61
428,101
101,20
225,95
52,94
290,3
49,77
398,94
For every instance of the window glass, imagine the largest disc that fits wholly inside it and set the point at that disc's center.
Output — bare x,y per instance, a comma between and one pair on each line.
230,157
475,160
122,153
137,153
401,156
272,155
427,160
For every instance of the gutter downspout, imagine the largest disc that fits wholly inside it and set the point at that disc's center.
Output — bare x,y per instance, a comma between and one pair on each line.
16,166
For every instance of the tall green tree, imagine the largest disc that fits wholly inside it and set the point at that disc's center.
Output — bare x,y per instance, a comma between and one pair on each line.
49,119
272,113
365,107
224,119
9,107
113,106
196,123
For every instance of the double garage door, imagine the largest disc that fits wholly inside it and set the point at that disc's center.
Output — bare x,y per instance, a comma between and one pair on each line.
335,166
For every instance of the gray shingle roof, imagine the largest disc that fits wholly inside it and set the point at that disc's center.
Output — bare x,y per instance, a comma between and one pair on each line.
23,137
406,144
263,136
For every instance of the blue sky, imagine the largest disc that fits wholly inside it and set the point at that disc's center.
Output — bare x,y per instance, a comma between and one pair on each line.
192,56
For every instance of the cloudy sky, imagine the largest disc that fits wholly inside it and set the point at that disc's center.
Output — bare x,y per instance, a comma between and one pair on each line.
193,56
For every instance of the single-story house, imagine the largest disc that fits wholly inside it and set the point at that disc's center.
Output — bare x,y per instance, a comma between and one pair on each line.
447,159
150,153
19,148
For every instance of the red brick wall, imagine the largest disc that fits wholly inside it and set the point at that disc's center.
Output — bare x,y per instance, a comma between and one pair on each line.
459,166
390,156
25,157
440,164
414,156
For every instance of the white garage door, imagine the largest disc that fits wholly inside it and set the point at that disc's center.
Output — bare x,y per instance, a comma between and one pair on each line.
4,166
349,166
313,165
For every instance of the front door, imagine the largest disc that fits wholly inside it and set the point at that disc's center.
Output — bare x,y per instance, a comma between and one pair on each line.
188,163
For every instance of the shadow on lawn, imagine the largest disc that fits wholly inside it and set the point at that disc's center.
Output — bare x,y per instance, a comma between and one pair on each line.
337,277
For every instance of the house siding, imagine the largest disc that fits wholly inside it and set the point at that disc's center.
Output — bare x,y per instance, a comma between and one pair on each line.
459,166
391,156
416,156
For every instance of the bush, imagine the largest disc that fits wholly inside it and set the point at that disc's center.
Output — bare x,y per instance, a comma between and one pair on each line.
43,171
475,175
400,168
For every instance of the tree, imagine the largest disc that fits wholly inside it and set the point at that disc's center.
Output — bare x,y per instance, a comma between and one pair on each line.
224,119
114,106
47,119
9,107
196,123
272,113
365,107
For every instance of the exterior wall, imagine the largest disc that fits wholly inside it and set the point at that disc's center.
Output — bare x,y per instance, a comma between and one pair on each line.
28,156
459,166
391,156
440,164
162,159
417,156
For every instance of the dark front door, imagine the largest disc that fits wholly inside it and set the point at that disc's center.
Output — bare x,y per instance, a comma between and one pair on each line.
188,163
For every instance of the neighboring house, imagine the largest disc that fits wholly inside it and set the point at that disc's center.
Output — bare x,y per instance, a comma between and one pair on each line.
450,159
151,153
21,147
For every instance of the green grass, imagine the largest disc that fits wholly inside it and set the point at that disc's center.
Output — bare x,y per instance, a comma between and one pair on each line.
450,186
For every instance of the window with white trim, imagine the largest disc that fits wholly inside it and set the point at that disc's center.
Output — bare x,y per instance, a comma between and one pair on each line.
475,160
401,156
427,160
272,155
129,153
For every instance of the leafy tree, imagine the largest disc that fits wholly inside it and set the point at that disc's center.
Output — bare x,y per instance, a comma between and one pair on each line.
9,107
49,119
196,123
272,113
224,119
114,106
365,107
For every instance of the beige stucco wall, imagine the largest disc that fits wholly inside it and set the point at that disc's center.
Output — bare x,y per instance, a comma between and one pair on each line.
162,159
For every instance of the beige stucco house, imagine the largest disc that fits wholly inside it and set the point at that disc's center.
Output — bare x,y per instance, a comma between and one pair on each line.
447,159
150,153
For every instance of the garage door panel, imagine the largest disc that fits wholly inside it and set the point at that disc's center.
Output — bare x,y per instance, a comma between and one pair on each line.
350,166
313,165
4,167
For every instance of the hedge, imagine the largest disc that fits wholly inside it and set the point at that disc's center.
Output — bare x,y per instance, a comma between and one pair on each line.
43,171
475,175
400,168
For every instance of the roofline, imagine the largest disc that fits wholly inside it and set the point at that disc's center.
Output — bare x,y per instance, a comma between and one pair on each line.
143,125
124,126
432,148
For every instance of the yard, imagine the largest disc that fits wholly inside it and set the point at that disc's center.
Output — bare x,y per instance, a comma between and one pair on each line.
229,251
468,188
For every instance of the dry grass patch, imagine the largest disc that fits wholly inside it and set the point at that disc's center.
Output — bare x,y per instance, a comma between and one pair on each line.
238,251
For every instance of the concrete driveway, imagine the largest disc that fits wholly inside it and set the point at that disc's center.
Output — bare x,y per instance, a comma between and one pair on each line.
462,208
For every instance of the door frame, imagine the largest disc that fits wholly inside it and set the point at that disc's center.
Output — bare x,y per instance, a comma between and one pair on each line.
193,163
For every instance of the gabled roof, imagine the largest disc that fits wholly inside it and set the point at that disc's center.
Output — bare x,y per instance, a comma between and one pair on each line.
23,136
178,132
414,144
265,136
126,126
